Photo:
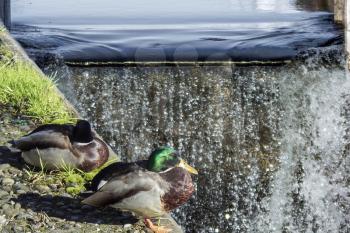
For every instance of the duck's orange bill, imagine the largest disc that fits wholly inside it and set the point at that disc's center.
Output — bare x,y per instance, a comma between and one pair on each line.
185,165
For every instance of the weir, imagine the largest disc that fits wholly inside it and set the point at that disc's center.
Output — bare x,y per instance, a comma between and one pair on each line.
270,142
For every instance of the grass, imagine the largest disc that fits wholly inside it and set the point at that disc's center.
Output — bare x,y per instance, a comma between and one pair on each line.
30,94
74,180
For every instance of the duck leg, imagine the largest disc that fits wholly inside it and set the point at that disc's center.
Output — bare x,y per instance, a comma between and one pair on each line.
155,229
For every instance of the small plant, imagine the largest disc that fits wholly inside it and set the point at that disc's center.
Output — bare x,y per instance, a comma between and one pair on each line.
76,179
73,179
35,176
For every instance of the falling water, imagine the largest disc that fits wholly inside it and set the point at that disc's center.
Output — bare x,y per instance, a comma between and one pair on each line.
271,142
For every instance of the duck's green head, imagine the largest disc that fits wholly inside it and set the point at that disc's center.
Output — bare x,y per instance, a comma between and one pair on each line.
164,158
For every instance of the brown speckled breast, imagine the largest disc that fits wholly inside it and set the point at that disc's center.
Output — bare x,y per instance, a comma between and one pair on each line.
95,155
181,188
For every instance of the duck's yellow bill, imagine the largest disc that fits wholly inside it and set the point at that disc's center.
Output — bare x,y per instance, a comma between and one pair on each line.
185,165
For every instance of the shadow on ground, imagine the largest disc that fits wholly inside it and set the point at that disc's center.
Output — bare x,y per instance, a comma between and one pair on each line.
11,157
71,209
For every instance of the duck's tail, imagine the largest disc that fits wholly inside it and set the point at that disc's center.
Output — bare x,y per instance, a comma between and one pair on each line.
13,146
12,142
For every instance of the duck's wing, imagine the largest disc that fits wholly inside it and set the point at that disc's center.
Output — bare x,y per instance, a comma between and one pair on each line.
65,129
121,187
113,171
42,139
46,136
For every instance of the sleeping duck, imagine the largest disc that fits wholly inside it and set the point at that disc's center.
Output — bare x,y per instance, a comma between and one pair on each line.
149,188
57,146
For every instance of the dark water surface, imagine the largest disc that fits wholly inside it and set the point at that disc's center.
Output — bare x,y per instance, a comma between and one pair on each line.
159,30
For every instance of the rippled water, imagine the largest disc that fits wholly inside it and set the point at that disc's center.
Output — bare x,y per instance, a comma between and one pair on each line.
271,143
169,30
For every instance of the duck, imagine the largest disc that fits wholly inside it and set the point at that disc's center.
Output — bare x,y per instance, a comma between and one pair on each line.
62,146
148,188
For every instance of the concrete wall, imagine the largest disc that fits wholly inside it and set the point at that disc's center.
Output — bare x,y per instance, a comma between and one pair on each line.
339,11
5,12
342,16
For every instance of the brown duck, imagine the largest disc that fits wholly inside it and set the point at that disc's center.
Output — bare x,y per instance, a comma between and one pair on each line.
56,146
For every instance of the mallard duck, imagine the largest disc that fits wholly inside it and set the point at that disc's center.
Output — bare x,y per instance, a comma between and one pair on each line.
57,146
149,188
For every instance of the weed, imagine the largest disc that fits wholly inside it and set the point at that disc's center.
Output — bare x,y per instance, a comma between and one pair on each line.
75,179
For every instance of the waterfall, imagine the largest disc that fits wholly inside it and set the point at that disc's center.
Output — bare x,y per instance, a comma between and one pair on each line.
270,142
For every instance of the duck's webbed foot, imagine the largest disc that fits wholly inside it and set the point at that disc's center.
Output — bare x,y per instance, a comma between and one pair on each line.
156,229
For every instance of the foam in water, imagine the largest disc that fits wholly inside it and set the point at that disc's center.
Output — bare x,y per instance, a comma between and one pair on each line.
309,192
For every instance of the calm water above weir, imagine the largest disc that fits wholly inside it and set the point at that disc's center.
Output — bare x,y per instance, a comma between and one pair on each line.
271,143
173,30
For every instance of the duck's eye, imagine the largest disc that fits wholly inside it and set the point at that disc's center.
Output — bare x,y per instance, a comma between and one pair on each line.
172,161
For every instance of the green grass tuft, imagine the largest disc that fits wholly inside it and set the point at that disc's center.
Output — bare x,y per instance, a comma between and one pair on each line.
75,179
29,93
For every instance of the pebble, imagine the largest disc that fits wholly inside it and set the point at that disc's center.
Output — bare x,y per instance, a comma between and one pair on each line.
17,206
87,207
7,188
76,211
59,213
24,128
18,229
10,212
19,186
4,166
66,195
3,193
2,220
53,187
127,226
20,191
42,188
6,206
7,181
60,203
14,171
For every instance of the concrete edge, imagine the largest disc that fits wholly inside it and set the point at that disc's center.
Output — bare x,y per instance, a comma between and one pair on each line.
21,55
